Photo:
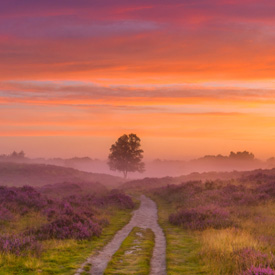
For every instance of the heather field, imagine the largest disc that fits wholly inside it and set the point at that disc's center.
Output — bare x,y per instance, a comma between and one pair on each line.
211,226
42,234
219,227
137,137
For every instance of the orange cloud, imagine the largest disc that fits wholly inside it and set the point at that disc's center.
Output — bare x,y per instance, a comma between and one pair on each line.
199,73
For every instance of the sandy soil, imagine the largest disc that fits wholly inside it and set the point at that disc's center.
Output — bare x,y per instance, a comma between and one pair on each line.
144,217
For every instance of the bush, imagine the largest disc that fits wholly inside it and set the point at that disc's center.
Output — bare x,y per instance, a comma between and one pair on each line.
19,245
69,223
201,218
67,228
120,199
248,257
21,200
5,214
268,189
259,271
114,198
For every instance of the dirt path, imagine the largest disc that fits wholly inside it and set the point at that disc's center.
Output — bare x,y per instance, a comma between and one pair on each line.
144,217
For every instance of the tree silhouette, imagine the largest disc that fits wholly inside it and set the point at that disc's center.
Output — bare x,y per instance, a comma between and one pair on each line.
126,155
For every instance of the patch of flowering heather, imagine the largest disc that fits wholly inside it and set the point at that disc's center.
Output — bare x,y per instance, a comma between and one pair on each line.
259,271
69,228
248,257
180,193
259,178
267,189
67,222
102,222
51,212
19,245
5,214
114,198
120,199
268,239
21,199
201,217
197,193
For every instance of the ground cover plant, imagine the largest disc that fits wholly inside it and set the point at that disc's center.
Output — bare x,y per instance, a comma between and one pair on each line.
230,224
35,228
134,254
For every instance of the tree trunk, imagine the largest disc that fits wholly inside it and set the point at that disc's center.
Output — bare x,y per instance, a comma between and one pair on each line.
125,174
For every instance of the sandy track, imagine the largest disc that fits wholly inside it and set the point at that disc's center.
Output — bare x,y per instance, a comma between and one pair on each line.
144,217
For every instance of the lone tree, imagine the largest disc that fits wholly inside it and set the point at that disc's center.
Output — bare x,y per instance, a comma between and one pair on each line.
126,155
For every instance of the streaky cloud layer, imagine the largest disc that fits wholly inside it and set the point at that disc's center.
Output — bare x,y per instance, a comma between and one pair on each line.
197,74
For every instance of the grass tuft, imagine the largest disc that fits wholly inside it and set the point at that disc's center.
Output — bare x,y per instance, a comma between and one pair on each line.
134,255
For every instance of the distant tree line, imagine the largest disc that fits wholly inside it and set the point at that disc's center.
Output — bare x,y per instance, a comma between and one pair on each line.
245,155
14,156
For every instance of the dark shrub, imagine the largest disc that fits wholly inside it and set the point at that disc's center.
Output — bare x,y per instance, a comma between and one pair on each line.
114,198
67,222
120,199
69,228
201,218
250,257
21,199
268,189
259,271
5,214
19,245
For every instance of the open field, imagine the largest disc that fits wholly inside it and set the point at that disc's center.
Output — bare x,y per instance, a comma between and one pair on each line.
20,174
211,226
219,227
39,235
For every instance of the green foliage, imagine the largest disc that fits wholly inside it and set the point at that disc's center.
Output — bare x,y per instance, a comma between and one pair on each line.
126,155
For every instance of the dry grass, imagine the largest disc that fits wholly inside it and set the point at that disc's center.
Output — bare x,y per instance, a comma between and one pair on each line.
227,240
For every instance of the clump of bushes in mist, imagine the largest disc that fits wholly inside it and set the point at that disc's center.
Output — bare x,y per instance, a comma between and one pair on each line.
115,198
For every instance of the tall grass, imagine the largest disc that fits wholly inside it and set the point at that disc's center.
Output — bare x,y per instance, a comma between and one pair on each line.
231,226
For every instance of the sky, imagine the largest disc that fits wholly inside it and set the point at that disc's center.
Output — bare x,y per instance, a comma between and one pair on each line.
189,77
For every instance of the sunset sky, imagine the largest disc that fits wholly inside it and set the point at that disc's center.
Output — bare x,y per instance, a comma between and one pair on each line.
189,77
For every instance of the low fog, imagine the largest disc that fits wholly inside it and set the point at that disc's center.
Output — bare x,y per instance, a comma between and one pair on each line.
235,161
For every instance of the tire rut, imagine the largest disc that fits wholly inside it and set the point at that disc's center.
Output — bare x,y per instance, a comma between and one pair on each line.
146,216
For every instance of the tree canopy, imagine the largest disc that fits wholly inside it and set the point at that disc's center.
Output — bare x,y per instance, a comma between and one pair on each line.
126,156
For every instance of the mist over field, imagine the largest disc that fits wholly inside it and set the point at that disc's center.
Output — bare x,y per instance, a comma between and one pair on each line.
137,137
218,219
239,161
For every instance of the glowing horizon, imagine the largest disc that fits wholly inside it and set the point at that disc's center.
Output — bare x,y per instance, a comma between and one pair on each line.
189,78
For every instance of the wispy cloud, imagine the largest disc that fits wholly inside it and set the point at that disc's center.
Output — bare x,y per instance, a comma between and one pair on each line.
196,70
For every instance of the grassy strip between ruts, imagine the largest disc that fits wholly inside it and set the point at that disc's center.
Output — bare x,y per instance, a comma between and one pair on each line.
64,256
183,248
134,255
